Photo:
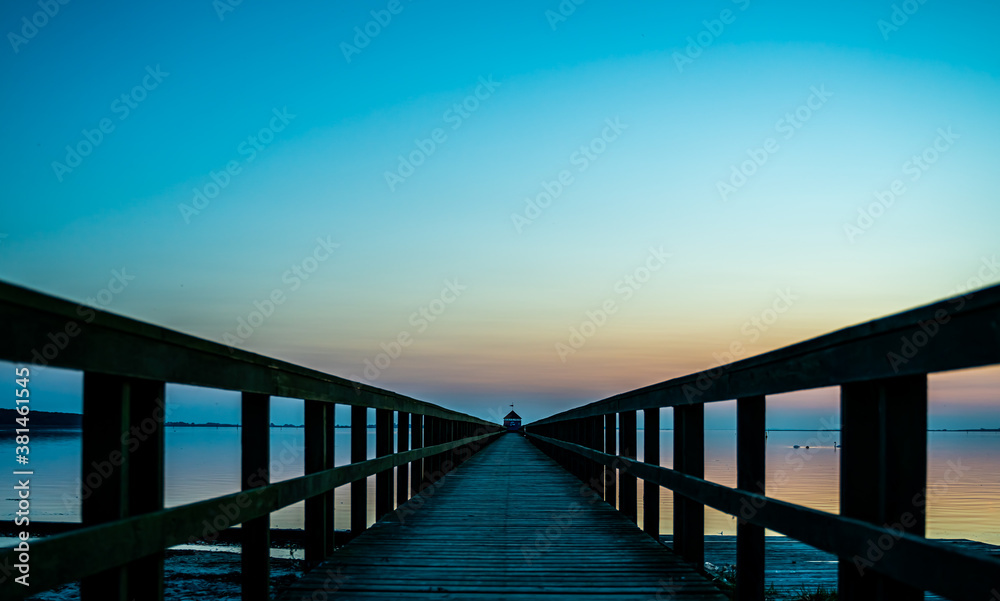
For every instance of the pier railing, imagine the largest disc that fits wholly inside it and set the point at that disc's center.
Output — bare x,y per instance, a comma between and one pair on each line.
118,552
881,368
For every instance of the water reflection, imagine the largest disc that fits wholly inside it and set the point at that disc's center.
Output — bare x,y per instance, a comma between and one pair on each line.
201,463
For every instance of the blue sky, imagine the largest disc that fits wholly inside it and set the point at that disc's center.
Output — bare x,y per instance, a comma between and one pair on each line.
837,105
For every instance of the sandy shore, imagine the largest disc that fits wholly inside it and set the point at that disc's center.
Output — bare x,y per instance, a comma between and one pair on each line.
198,575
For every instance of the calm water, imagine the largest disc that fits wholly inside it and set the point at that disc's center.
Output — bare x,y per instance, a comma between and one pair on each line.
201,463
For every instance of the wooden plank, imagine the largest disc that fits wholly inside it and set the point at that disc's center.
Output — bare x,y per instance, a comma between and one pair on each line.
945,570
318,457
146,478
105,424
383,447
966,333
508,524
122,454
689,458
255,466
416,442
628,498
359,453
430,439
883,475
750,475
651,455
112,344
596,441
611,447
402,444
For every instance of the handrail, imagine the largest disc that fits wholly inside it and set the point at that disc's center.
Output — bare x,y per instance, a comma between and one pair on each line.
881,367
118,554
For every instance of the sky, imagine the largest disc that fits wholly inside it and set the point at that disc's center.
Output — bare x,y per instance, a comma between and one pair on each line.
537,203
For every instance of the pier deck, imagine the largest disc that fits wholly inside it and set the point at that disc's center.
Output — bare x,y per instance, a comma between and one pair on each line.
509,524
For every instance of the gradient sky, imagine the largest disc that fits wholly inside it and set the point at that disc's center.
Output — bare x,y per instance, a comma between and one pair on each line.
694,91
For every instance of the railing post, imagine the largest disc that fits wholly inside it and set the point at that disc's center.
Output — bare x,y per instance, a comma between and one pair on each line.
448,463
610,447
383,448
689,458
750,441
416,442
359,452
580,438
883,473
402,444
628,494
319,457
595,440
256,533
651,455
430,439
123,428
570,434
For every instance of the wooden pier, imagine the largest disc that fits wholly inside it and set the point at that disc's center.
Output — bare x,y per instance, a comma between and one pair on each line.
550,515
509,524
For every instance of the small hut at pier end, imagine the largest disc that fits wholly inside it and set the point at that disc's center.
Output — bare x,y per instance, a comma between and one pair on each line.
512,421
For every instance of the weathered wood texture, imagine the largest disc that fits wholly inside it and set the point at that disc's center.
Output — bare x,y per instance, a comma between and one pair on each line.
509,524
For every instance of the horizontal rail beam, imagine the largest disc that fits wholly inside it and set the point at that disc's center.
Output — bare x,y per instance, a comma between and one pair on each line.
98,548
103,342
957,333
948,571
